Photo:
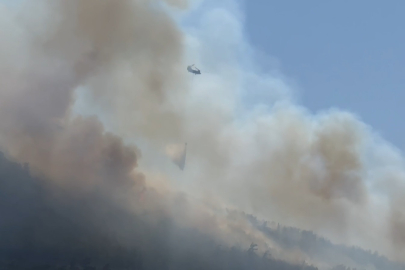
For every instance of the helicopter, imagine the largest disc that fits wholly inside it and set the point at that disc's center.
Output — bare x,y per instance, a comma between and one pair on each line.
193,69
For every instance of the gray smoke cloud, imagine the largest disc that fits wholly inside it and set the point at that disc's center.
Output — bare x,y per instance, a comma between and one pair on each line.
51,49
281,163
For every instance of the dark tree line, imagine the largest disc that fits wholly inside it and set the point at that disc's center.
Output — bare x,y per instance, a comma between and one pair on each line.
44,230
232,259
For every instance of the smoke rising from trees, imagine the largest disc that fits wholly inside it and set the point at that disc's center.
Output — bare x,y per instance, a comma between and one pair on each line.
318,172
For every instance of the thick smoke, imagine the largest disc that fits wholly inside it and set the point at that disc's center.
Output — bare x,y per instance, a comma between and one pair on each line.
280,163
91,193
50,48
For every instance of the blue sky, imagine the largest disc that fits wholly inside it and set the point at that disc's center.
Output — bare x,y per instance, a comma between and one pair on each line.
340,54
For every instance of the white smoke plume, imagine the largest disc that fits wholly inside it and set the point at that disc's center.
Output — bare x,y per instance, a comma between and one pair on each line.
124,63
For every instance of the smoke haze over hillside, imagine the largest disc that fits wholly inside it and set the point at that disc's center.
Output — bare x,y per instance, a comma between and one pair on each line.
93,92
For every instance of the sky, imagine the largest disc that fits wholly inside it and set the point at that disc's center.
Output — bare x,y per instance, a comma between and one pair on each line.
345,55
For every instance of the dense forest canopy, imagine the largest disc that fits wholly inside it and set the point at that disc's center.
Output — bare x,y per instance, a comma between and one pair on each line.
41,232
